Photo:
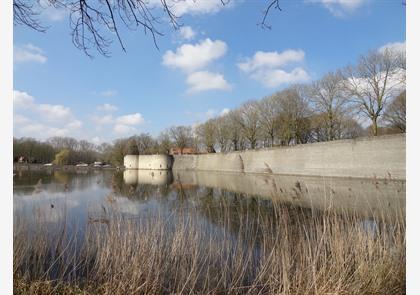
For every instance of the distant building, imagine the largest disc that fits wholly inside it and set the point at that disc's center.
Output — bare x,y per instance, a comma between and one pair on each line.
184,151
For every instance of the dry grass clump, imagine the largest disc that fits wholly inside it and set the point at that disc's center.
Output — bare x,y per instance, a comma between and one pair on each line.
215,248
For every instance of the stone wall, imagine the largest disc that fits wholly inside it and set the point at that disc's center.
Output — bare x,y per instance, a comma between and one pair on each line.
148,162
380,157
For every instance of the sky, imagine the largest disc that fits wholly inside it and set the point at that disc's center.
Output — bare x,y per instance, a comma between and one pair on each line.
217,60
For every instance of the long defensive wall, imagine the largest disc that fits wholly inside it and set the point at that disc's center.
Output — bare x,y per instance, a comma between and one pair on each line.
380,157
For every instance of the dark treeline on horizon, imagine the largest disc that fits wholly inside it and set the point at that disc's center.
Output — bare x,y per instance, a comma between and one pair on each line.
331,108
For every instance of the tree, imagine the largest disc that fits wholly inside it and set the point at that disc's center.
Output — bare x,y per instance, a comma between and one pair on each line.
61,158
132,147
146,144
95,24
248,119
269,112
207,134
60,143
164,142
373,81
182,136
294,117
119,150
395,114
235,134
327,95
223,132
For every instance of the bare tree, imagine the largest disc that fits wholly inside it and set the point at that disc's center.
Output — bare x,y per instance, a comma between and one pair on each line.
146,144
269,113
349,128
294,117
235,134
248,119
182,136
207,134
165,143
60,143
223,132
373,81
395,113
24,13
327,95
95,24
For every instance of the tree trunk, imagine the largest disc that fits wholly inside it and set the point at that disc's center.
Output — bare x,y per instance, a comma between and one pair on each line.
375,126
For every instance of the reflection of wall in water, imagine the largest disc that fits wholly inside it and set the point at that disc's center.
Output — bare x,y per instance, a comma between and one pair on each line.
155,177
366,196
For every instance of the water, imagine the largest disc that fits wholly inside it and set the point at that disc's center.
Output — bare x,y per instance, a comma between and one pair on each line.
82,225
80,196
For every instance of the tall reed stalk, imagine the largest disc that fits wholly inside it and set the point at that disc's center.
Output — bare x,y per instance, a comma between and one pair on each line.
214,248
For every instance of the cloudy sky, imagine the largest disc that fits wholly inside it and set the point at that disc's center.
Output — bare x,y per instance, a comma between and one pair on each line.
217,60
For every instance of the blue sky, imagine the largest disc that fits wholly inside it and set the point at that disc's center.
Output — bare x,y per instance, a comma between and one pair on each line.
219,60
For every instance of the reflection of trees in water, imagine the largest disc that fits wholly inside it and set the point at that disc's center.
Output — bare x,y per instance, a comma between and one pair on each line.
57,181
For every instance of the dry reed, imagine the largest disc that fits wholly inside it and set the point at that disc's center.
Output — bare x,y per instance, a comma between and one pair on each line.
218,247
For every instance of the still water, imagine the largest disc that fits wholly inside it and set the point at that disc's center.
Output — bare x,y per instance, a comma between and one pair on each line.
166,232
82,196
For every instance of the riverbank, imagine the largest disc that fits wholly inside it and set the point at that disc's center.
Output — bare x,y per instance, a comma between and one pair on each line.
42,167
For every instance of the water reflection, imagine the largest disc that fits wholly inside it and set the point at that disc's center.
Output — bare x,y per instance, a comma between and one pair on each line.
365,196
60,196
65,222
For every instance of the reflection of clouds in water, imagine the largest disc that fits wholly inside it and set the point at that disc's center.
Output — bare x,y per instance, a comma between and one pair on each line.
48,207
120,205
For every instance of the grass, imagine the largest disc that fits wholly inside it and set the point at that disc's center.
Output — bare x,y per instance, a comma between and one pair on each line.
216,247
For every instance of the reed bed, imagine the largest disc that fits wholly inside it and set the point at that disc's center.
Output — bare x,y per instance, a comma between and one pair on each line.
217,247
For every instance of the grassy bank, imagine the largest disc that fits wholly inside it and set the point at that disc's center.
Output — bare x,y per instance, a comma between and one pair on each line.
251,249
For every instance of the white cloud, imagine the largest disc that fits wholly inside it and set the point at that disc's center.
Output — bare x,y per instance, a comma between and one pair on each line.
121,125
20,120
204,80
54,112
274,78
75,124
52,13
97,140
272,59
28,53
398,47
22,99
394,84
131,119
189,57
36,118
106,107
225,111
187,33
125,124
272,69
39,130
193,7
108,93
210,113
103,120
340,8
123,129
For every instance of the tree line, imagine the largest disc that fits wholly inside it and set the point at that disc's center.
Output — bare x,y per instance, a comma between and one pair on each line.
358,100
